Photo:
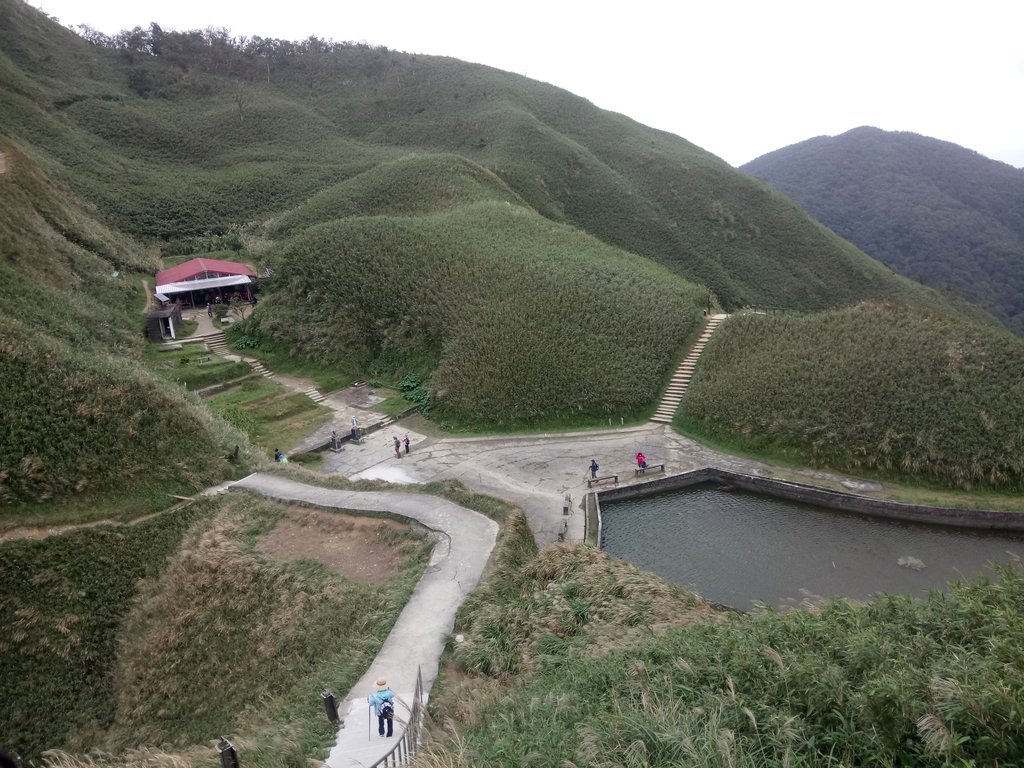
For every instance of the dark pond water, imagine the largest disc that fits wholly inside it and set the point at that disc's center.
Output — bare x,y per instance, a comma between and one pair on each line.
739,548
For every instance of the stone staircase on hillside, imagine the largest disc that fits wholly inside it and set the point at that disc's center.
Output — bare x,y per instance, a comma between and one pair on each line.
217,343
681,378
314,394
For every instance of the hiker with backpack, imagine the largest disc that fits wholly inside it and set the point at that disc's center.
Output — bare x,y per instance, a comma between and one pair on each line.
383,701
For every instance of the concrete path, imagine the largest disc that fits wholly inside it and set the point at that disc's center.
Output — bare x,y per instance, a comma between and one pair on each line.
466,539
536,472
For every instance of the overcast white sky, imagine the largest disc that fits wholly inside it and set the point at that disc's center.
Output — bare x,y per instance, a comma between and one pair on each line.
739,78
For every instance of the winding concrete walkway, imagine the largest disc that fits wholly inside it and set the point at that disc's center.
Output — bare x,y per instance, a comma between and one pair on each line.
465,541
535,472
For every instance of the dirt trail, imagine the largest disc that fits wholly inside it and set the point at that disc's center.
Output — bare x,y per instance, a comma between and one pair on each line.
148,295
44,531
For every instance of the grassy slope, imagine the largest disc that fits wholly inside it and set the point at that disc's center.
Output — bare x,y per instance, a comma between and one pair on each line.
169,630
66,596
81,415
876,387
521,317
336,144
644,190
167,167
560,666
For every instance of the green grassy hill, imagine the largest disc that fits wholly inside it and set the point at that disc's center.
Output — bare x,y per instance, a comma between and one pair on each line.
875,387
155,635
82,417
176,137
571,658
932,210
514,256
513,317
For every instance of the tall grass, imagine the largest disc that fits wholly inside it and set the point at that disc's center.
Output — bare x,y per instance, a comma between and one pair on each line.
75,423
64,599
874,387
507,317
168,633
541,678
226,640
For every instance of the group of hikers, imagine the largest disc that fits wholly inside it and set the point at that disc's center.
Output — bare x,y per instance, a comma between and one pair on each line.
641,463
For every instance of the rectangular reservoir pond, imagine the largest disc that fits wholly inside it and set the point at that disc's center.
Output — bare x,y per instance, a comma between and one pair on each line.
740,548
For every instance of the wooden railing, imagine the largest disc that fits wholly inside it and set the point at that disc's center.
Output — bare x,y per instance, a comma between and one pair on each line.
403,751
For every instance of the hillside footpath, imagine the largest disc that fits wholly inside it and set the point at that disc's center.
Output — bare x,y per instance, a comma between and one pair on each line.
465,541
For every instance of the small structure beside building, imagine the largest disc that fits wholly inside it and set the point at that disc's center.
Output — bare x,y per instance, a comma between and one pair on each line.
199,282
163,323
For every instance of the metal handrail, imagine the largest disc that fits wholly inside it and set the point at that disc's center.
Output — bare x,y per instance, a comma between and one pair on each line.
404,750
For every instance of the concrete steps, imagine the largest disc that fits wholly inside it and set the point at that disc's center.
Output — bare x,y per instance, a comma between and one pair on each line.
219,345
261,369
314,394
681,378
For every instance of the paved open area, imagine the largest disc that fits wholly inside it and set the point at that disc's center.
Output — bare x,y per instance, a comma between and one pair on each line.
535,472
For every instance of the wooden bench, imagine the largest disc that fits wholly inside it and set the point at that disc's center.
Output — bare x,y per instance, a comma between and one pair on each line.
649,468
601,480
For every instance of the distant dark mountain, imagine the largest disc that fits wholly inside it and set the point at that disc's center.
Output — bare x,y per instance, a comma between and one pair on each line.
932,210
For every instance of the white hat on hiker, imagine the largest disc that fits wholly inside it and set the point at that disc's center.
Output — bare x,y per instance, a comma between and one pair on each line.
382,684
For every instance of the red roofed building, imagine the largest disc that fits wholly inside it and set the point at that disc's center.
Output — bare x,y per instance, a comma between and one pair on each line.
199,281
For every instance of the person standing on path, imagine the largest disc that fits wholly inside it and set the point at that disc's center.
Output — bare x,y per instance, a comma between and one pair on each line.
405,442
383,701
398,447
593,469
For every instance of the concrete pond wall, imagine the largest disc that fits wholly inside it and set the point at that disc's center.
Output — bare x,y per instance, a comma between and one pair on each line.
978,519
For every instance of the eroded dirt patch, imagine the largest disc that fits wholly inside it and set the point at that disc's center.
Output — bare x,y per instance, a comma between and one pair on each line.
359,548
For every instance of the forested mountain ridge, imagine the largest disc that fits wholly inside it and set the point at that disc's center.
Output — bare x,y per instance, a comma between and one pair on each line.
932,210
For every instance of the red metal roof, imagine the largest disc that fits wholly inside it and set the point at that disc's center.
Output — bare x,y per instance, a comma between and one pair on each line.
201,267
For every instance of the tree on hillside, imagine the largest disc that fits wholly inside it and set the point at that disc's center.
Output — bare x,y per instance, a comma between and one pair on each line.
242,99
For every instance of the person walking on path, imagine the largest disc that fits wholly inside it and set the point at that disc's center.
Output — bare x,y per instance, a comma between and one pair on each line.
398,447
593,469
383,701
405,442
209,309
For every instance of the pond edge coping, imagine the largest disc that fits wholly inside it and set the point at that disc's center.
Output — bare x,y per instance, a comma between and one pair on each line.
976,519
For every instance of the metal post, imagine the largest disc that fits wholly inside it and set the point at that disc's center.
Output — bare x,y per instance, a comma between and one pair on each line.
331,706
228,755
